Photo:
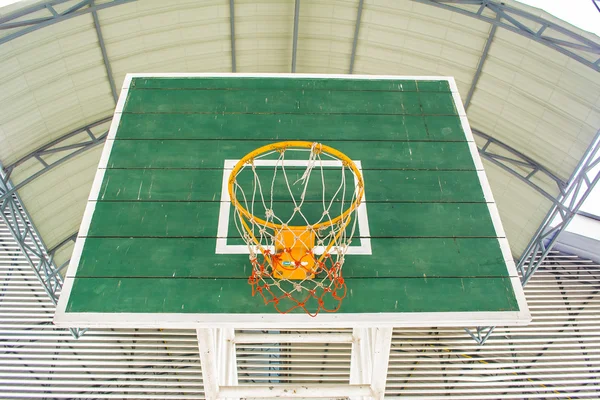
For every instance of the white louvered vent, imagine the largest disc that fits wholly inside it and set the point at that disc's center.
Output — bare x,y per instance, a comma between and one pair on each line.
557,356
293,363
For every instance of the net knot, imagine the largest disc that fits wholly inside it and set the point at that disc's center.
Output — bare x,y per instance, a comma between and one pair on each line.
316,148
269,213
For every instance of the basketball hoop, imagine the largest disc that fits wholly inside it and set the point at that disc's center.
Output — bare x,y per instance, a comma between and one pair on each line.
298,243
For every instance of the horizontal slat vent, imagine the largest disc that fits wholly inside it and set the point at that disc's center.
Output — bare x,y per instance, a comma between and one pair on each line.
557,356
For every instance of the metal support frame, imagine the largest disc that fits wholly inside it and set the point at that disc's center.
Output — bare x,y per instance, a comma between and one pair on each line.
13,214
596,4
518,164
518,21
232,28
22,18
482,333
356,32
109,74
88,140
295,35
581,184
482,60
368,370
507,17
60,245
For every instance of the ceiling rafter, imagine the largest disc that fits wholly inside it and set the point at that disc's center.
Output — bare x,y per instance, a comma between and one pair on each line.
484,55
511,18
580,185
519,165
14,216
356,32
87,140
109,74
232,29
295,34
19,19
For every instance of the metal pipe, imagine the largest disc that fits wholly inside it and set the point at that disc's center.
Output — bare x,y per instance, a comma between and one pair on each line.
232,28
295,35
109,73
356,32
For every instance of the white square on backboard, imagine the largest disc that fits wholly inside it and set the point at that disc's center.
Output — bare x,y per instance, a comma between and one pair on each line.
223,225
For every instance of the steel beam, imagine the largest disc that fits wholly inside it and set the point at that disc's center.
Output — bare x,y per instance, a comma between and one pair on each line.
481,333
67,151
14,20
484,55
582,183
8,21
109,74
580,186
523,162
13,214
589,215
517,21
295,35
232,28
508,19
356,32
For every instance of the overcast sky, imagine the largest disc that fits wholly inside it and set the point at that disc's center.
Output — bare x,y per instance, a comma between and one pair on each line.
580,13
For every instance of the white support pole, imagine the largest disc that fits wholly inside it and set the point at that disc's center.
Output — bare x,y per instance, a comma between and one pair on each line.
208,358
296,391
382,343
227,358
360,361
293,338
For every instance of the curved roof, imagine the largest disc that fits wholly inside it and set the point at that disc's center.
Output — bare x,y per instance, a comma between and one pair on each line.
530,82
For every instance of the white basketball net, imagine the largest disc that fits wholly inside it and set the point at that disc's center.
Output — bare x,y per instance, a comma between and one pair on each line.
295,226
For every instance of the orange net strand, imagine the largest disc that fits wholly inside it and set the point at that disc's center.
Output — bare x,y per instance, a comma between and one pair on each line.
336,290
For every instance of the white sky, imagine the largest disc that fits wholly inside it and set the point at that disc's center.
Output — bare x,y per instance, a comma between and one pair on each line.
580,13
7,2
